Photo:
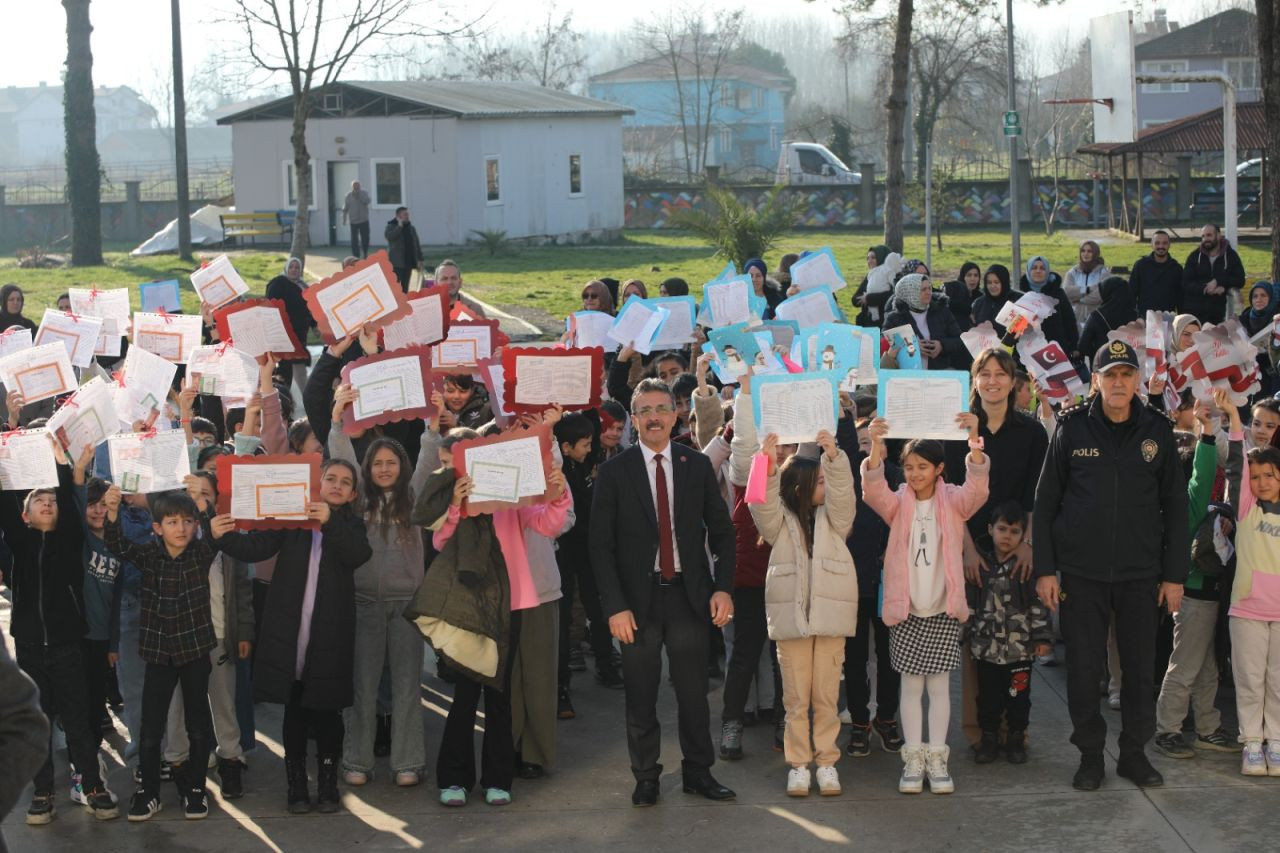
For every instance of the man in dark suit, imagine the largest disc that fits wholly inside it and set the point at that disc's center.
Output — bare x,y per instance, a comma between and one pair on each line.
656,508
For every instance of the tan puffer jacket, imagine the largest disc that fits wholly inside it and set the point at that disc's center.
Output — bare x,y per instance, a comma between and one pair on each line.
811,596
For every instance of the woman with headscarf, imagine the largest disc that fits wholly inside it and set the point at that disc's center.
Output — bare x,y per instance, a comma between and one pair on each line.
995,293
763,285
1061,325
288,287
1255,318
915,303
1116,310
596,297
871,305
963,291
11,302
1083,282
1184,327
632,287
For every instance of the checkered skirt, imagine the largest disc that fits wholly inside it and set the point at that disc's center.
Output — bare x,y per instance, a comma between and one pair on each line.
924,646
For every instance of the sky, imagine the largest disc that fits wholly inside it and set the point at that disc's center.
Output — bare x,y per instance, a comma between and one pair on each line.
131,37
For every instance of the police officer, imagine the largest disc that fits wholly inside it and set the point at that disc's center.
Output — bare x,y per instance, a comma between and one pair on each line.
1111,519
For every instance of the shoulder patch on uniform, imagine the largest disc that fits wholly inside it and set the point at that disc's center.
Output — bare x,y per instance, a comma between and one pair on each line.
1068,411
1154,410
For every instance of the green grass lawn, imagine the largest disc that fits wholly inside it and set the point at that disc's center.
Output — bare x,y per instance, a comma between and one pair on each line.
550,278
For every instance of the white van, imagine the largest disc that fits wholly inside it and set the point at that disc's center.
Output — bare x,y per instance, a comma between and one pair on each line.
812,163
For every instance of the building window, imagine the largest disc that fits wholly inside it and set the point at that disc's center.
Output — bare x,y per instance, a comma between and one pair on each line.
291,185
388,182
575,174
1243,72
726,95
746,98
726,142
492,183
333,102
773,137
1164,66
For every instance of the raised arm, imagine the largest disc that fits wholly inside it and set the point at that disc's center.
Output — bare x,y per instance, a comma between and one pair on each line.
745,443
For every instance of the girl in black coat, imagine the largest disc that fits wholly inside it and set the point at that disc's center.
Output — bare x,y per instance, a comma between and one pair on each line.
304,660
996,291
1115,311
962,292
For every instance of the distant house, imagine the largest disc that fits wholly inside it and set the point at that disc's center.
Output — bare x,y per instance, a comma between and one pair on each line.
464,156
746,123
31,127
155,145
1227,41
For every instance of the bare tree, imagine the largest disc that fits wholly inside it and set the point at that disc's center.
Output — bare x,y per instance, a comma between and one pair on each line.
84,175
1269,72
559,58
895,114
694,52
312,44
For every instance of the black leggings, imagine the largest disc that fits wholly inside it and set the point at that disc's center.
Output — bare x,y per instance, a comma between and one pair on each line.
301,723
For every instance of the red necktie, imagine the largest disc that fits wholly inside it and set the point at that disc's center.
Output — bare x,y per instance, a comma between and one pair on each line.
666,549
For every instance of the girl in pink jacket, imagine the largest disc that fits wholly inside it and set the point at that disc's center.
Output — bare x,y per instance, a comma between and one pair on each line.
924,601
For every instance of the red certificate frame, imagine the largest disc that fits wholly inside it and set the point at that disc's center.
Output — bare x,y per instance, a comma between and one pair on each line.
227,463
509,356
377,259
351,426
497,340
440,292
224,328
470,508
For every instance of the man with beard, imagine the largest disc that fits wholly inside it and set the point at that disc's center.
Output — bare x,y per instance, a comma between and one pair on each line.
1156,279
1210,271
403,247
655,516
1111,518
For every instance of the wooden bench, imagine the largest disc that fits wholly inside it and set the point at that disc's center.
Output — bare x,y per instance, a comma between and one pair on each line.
237,226
1213,203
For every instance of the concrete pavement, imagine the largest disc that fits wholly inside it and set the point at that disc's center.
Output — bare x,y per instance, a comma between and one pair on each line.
1206,805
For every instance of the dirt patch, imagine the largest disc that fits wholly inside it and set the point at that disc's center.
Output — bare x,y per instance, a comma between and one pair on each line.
550,325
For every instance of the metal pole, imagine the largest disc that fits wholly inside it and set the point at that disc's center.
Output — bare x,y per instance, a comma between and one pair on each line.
1015,226
180,138
928,207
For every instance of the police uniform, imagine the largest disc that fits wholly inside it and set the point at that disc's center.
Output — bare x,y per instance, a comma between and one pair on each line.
1111,519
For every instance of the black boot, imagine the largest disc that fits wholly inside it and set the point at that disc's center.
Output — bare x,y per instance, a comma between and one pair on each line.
229,776
295,769
328,800
988,749
1015,746
382,736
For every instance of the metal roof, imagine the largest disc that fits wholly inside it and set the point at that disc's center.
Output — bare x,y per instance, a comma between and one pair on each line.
659,68
1230,33
465,99
1194,134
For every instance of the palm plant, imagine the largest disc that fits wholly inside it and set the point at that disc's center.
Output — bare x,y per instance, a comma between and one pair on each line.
737,230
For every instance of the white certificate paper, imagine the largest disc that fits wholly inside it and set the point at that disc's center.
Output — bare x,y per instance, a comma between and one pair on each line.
808,308
924,403
170,336
362,297
510,470
147,380
259,492
14,339
677,327
223,371
78,334
27,460
637,325
544,380
388,385
88,417
465,346
796,408
145,462
729,302
423,326
816,269
259,330
106,304
591,329
218,283
39,372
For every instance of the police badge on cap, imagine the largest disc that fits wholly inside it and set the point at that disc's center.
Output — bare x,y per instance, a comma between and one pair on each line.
1114,354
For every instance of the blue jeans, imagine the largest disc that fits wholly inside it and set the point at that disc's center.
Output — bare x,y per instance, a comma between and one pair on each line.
130,669
383,634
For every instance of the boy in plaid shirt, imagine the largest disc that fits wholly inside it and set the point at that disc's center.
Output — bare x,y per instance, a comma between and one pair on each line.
175,639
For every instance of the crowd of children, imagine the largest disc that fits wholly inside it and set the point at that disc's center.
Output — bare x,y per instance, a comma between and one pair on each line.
914,562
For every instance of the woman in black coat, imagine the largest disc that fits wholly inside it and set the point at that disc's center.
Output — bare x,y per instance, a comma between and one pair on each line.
962,292
996,291
927,311
288,287
1061,325
1115,311
314,683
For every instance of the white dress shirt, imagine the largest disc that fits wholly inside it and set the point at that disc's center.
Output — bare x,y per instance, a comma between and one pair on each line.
651,468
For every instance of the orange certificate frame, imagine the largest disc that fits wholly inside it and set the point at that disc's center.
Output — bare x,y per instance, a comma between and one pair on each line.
142,335
438,292
46,335
226,466
210,287
63,385
390,314
497,340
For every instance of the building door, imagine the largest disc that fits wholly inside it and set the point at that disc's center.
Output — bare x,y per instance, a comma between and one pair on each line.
341,174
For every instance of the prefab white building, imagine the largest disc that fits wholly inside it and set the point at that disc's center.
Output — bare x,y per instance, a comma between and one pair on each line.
462,156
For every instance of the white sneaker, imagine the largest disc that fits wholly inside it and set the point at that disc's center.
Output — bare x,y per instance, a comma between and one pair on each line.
912,779
828,782
1272,753
798,782
936,764
846,719
1252,761
1113,700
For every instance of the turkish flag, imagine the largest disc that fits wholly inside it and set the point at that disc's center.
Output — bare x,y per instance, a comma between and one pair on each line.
1050,357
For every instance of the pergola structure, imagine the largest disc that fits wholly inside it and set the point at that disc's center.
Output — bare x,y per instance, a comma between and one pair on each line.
1196,134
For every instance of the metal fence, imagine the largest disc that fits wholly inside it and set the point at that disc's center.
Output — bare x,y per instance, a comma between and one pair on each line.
47,184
